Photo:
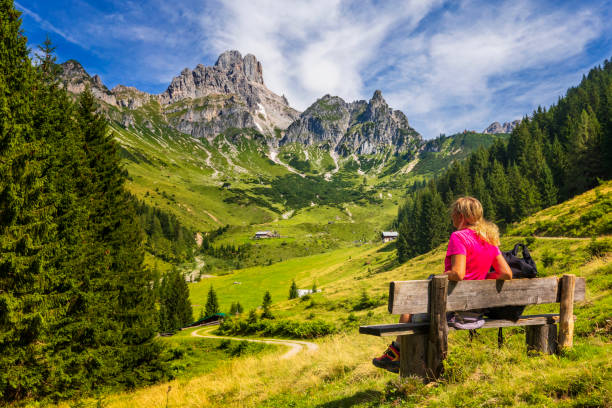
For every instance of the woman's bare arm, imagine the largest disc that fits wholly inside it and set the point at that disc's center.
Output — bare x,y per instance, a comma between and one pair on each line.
502,270
457,271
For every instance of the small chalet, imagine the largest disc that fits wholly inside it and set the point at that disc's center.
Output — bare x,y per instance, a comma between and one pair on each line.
266,234
388,236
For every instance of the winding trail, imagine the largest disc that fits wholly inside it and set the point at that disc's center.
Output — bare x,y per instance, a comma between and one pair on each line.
295,346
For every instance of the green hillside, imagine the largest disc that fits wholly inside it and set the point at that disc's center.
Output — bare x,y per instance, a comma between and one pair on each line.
340,372
237,179
585,215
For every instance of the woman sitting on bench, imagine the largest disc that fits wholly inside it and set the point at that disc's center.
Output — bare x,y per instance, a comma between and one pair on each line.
472,250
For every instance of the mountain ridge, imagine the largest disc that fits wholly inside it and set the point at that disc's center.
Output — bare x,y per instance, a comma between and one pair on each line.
209,100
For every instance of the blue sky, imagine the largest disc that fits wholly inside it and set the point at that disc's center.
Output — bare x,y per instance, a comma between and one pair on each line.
448,66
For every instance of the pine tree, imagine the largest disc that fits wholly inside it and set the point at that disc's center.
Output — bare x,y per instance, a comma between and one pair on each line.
293,291
123,296
252,317
267,302
239,308
38,210
212,304
233,309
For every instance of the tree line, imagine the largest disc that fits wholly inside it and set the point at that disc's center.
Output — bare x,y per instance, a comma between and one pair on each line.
77,306
550,157
166,237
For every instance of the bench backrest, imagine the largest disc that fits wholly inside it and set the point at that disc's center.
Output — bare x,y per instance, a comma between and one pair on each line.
413,296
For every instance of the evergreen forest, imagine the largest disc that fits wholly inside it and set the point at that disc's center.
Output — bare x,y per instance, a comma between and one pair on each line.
550,157
76,304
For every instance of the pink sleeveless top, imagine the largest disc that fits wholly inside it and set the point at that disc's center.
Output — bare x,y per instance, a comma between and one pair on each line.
479,254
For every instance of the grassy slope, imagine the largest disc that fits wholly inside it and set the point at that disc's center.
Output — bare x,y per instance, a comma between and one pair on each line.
340,373
582,216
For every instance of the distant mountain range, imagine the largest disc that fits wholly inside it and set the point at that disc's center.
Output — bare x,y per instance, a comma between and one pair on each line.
221,126
497,128
207,101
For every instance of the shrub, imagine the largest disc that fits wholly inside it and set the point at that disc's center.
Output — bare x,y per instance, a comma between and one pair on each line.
599,248
287,328
548,259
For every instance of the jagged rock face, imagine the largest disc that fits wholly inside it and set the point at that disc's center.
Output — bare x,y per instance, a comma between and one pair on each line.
203,102
326,120
253,104
496,127
359,127
75,79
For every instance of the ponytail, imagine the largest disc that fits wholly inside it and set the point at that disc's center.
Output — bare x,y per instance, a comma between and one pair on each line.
487,231
471,211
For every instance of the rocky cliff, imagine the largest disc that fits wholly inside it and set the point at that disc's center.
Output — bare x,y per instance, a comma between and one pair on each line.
206,101
210,100
202,102
496,127
358,127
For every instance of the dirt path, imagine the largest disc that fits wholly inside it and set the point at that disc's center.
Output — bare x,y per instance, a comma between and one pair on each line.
295,346
538,237
213,217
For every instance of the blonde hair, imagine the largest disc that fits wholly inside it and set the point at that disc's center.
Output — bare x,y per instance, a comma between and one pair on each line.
471,210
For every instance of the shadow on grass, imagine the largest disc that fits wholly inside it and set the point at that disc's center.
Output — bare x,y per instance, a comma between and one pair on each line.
388,248
357,398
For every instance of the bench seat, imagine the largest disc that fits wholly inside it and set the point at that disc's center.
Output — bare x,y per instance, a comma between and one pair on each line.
401,329
424,344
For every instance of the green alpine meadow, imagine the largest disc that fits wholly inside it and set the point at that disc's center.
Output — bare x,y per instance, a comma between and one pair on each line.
225,234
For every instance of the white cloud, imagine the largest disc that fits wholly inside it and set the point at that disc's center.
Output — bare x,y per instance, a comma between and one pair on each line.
463,66
309,49
447,65
446,74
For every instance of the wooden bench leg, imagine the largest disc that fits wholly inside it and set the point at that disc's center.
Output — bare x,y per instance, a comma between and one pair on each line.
566,312
437,345
413,351
541,338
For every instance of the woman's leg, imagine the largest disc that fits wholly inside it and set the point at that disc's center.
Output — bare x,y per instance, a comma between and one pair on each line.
405,318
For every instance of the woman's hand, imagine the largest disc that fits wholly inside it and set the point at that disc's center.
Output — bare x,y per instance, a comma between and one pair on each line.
502,269
457,271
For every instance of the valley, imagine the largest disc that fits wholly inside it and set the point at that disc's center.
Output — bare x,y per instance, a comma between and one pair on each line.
332,178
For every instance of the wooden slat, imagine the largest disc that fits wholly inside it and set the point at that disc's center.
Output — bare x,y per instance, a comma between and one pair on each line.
396,329
413,296
401,329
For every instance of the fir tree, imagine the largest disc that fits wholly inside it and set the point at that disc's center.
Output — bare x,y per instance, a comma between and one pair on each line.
212,304
27,213
267,303
252,317
293,291
123,294
233,309
239,308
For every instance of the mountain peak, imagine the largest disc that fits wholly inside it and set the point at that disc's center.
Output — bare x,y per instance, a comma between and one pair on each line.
232,60
228,60
378,96
496,127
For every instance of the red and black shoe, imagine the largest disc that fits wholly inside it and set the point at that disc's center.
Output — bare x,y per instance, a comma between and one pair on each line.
390,360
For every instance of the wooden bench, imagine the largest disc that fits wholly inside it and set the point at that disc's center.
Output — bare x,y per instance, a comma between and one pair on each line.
423,345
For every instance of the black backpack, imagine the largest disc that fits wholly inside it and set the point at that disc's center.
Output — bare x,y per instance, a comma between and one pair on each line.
521,268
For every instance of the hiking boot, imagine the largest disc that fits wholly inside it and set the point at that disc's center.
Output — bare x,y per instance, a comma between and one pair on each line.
390,360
